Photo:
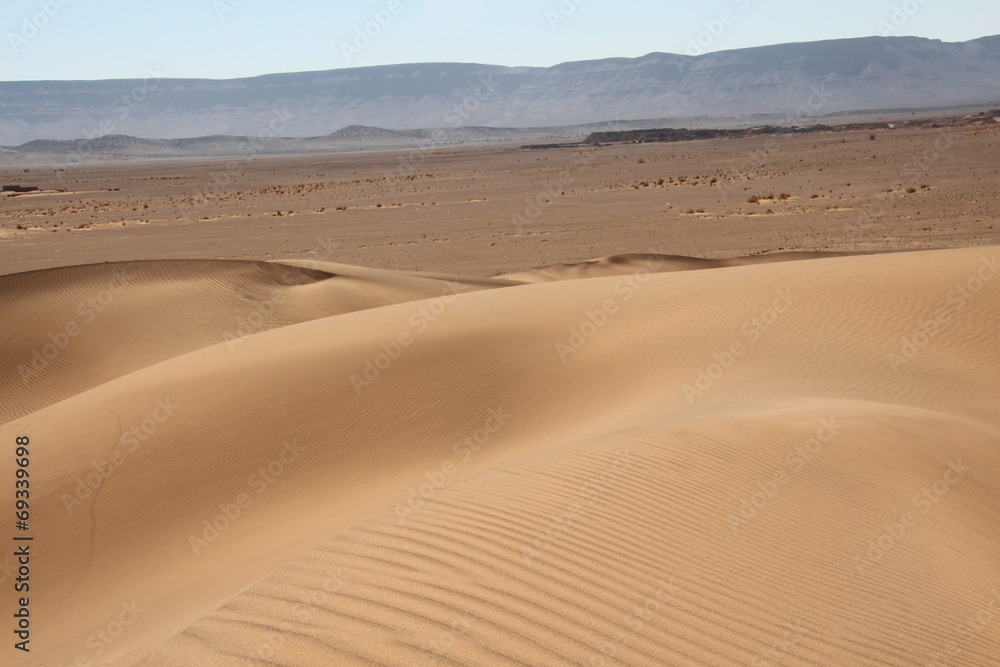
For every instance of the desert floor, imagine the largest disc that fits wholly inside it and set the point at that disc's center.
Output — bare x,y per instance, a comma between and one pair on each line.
454,210
359,416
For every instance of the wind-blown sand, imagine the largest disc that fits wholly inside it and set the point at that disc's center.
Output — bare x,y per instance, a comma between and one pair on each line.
624,462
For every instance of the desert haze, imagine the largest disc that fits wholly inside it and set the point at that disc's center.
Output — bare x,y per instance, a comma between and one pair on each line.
724,402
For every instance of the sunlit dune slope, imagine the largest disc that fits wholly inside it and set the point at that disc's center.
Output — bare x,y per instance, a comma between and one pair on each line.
785,463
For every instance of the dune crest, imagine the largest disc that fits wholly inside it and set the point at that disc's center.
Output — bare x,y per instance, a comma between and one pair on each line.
623,265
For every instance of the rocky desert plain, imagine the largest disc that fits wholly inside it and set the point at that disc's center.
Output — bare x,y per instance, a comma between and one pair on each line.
498,208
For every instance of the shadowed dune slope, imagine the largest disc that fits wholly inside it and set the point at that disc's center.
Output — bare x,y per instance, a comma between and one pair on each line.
790,463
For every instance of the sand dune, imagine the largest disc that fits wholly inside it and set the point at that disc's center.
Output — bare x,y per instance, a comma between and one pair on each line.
788,462
71,329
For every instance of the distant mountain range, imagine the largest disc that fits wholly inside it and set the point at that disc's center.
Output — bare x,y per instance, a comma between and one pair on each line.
790,81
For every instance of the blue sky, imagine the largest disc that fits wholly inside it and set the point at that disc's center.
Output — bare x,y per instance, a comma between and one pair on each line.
98,39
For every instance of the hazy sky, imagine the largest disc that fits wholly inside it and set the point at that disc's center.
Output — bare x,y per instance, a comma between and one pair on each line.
98,39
